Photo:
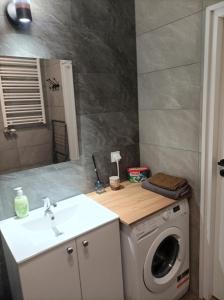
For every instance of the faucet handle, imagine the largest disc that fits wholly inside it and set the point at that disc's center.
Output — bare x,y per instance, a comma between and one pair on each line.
47,202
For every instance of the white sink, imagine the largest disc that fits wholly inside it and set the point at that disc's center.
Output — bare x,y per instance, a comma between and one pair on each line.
37,233
44,223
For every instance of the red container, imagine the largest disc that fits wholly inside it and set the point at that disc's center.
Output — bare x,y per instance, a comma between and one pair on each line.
138,174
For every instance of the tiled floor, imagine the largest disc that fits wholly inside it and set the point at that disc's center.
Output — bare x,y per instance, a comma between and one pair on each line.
191,296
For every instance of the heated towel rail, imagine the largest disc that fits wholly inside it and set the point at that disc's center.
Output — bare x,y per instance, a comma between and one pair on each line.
60,141
21,92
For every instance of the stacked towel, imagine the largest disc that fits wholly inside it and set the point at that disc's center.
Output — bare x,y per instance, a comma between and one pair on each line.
169,186
167,182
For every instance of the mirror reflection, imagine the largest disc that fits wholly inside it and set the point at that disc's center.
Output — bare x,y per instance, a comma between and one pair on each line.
37,113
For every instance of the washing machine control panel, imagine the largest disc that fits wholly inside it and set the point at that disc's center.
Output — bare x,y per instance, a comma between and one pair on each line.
150,224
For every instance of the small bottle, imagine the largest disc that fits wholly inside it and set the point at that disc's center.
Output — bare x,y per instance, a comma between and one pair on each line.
21,203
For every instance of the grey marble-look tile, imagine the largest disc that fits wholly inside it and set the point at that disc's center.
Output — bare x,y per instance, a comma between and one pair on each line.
125,11
30,46
173,45
7,143
54,11
172,161
177,88
104,16
104,35
106,92
57,97
94,12
96,15
102,131
35,155
57,113
210,2
125,52
9,160
170,128
152,14
93,53
33,136
37,41
59,47
57,187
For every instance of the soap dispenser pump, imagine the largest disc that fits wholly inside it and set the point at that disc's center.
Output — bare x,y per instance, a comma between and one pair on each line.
21,203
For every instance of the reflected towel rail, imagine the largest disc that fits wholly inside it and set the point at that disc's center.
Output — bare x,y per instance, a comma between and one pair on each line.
21,92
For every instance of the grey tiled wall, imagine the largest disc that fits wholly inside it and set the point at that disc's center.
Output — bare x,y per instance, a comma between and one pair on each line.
99,36
170,60
169,82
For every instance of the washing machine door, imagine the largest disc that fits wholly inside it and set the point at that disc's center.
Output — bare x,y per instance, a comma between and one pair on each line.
164,260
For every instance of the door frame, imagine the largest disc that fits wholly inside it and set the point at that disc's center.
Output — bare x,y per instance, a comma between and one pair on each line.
214,23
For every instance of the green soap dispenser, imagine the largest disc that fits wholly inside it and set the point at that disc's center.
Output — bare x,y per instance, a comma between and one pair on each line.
21,203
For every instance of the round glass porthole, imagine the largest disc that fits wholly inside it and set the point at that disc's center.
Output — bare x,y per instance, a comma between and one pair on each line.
165,257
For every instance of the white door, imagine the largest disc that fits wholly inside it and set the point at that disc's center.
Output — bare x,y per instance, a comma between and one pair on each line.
218,277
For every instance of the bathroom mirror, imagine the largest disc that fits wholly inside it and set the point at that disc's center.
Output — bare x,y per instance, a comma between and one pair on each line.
37,113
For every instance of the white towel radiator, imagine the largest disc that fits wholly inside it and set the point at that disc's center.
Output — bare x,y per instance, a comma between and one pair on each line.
21,93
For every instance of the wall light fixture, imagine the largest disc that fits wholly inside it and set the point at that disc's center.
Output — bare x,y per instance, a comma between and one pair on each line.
19,12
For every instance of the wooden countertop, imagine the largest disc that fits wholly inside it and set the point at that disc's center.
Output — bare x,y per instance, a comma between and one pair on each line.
132,203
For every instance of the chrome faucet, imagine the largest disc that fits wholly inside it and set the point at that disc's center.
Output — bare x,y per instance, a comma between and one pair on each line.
48,207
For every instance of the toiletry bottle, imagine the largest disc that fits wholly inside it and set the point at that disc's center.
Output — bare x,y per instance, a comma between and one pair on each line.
21,203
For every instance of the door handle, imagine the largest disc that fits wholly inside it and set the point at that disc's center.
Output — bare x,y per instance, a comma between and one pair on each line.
221,163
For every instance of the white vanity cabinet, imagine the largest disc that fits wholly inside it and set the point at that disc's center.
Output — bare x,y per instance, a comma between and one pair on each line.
87,267
53,275
100,263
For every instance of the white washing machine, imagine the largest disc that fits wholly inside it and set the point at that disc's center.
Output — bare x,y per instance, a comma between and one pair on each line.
155,254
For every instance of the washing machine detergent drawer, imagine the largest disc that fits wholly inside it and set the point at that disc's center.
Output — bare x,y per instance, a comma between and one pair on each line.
145,228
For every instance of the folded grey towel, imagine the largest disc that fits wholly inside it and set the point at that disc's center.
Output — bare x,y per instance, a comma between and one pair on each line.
167,182
181,193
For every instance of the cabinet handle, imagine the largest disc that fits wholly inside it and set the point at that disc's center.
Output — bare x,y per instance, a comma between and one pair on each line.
85,243
69,250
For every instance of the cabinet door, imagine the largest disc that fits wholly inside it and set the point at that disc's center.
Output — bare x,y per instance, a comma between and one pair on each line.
99,257
53,275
